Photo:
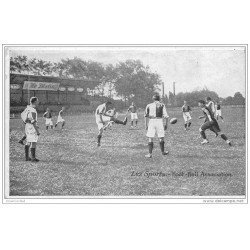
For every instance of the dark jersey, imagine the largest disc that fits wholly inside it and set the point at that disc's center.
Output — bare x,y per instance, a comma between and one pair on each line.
186,108
207,112
218,107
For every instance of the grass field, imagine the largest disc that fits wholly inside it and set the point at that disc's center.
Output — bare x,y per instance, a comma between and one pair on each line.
71,164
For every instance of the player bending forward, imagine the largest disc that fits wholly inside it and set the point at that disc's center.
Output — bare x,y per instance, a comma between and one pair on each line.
60,119
29,116
210,123
102,117
134,116
48,119
156,121
186,115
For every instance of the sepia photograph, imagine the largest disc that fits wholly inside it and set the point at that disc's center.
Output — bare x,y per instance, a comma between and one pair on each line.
136,123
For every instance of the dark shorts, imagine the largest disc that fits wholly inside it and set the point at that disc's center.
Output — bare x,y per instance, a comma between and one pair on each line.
212,125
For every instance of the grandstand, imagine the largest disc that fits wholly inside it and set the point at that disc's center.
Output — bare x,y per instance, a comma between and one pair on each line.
52,91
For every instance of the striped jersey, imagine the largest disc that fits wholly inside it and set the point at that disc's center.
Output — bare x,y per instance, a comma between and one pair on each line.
211,106
156,110
47,114
207,112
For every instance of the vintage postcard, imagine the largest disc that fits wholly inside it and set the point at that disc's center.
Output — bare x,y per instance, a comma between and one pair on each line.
125,123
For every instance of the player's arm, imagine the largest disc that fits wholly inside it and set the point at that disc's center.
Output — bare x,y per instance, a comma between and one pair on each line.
165,117
146,117
44,115
34,122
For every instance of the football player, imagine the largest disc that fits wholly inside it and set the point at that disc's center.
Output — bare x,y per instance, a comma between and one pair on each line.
31,129
218,111
102,117
134,116
48,119
156,122
60,119
210,123
186,115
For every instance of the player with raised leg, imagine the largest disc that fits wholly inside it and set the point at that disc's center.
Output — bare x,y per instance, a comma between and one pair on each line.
210,123
156,122
102,116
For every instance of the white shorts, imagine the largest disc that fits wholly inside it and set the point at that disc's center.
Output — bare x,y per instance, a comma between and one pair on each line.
186,116
155,126
60,119
48,122
30,133
134,116
99,123
218,112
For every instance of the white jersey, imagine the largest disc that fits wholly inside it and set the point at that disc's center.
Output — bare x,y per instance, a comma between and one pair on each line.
29,127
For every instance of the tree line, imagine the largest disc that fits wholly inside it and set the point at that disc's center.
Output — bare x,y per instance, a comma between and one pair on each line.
129,80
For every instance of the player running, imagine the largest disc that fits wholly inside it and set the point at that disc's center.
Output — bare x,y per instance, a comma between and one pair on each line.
156,121
186,115
218,111
60,119
210,123
134,116
102,117
48,119
29,116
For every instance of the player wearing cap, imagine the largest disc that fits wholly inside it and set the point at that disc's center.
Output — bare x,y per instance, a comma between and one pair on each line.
156,121
102,116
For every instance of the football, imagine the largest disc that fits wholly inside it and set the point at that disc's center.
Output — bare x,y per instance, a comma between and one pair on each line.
173,120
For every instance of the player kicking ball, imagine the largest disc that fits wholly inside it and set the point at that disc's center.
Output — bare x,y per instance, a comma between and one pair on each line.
102,116
156,122
210,123
186,115
48,119
60,119
29,116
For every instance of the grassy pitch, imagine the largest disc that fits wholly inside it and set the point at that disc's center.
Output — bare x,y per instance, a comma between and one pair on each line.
71,164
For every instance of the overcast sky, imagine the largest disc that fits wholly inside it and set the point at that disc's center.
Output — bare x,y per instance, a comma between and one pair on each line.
221,69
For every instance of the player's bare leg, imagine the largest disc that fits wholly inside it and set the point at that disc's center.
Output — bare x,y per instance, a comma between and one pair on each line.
63,124
136,122
132,121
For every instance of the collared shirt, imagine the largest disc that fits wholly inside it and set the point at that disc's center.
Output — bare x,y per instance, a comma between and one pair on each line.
156,110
